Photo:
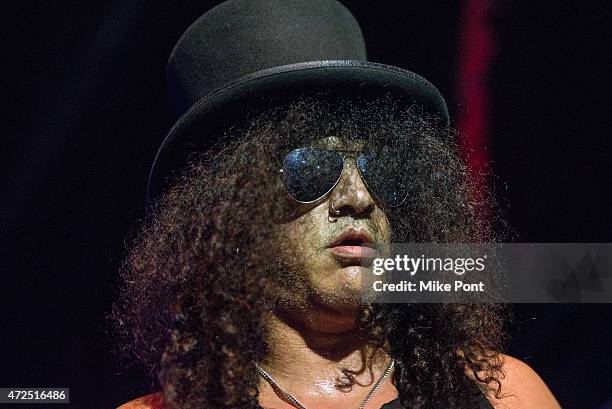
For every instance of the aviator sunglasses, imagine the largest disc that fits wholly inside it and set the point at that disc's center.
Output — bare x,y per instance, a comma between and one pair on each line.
311,173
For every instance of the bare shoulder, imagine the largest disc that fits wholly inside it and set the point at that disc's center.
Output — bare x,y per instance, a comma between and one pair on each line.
522,388
151,401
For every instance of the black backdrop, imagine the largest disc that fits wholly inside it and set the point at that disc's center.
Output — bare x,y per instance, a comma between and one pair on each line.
87,108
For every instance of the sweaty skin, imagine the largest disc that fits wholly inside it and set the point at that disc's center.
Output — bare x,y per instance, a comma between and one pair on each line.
332,278
313,332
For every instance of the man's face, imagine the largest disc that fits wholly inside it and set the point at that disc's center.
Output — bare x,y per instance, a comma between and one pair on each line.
324,242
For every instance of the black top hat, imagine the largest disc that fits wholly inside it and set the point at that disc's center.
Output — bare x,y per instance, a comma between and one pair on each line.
244,55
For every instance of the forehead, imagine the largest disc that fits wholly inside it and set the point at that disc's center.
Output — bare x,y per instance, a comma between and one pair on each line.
336,143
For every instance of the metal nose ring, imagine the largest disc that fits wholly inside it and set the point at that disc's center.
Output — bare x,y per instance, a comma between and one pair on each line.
331,218
336,212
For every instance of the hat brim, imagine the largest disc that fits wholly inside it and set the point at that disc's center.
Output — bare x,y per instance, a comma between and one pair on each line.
218,110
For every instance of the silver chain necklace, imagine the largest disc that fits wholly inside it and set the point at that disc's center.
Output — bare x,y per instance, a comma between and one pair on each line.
289,398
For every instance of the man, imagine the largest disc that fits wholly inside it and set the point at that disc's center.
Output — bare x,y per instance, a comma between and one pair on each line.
295,161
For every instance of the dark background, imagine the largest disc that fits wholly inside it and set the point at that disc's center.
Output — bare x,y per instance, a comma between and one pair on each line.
87,109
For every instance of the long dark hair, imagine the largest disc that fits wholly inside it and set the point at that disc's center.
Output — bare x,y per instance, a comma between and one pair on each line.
193,284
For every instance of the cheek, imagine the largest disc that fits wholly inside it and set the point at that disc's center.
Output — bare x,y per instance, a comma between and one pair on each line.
293,237
304,236
382,226
385,228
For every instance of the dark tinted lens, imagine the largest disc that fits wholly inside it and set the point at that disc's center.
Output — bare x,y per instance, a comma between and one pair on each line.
310,173
383,178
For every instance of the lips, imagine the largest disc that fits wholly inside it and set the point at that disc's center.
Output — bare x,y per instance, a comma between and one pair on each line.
353,244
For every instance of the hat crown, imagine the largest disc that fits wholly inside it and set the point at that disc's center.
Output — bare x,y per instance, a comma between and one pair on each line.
241,37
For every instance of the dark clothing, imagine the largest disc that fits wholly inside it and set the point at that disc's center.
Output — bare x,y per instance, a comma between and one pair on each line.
480,402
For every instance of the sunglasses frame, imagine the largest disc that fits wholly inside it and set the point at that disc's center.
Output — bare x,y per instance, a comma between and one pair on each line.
344,157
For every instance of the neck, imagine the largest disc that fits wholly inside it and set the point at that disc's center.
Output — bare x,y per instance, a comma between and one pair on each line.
308,351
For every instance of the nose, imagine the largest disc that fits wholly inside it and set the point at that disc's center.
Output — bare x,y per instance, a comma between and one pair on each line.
350,196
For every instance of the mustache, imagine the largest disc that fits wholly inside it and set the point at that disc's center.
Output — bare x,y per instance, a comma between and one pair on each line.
362,231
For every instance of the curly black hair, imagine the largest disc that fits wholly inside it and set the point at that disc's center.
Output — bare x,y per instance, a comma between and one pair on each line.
194,283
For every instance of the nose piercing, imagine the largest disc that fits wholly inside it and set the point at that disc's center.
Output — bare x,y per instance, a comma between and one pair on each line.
336,212
330,218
